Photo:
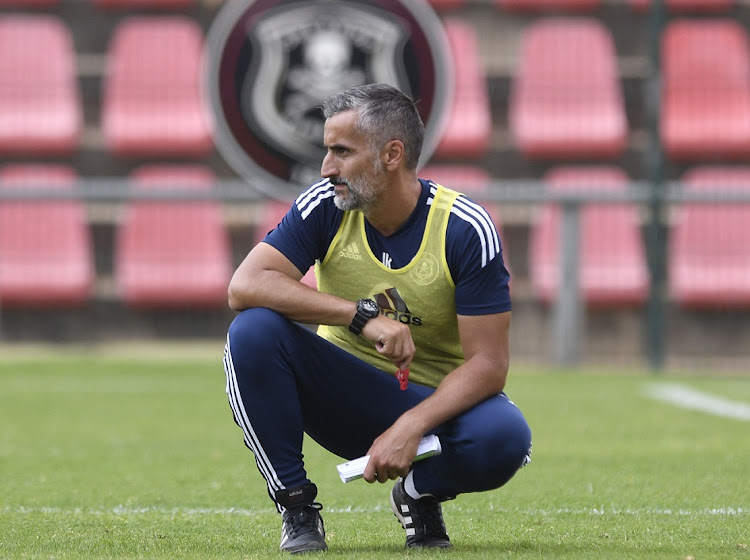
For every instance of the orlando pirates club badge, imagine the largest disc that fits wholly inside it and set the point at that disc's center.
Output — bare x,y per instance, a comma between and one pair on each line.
271,63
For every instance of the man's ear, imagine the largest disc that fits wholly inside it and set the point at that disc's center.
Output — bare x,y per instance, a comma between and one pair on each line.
393,154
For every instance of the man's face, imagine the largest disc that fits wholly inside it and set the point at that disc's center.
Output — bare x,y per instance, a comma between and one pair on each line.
355,171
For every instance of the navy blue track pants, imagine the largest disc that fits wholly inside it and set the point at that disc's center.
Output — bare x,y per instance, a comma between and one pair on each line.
284,380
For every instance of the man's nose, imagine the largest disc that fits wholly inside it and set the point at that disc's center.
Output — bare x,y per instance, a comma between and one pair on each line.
327,168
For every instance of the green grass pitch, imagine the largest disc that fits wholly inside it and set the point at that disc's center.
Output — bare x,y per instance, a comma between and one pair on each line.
133,454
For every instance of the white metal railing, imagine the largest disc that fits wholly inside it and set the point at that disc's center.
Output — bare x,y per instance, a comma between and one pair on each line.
568,310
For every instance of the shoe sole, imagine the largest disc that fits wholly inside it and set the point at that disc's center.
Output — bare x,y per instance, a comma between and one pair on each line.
304,548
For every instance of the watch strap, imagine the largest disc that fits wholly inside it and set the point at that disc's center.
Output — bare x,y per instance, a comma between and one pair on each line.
358,323
362,316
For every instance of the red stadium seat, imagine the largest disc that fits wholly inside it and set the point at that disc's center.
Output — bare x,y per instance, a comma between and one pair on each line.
566,99
45,247
173,253
469,127
152,92
549,5
706,90
676,6
612,265
272,212
40,104
709,264
143,4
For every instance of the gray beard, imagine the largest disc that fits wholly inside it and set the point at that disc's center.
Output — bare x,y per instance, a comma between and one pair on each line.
362,190
361,197
346,203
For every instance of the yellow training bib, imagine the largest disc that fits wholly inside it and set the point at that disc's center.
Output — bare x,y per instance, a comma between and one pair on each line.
421,294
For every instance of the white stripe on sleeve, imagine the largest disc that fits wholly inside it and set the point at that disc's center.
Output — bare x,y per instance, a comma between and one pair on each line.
312,197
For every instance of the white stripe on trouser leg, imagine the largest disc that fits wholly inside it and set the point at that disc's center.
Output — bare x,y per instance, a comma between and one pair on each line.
251,441
238,409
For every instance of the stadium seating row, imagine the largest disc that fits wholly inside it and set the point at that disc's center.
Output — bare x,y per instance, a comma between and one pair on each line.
151,98
566,99
177,252
151,93
613,266
708,262
510,5
167,253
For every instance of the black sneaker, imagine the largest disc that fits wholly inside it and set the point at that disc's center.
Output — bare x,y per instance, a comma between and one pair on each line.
302,526
421,519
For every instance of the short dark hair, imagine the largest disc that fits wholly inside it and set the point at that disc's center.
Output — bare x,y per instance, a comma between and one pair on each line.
384,113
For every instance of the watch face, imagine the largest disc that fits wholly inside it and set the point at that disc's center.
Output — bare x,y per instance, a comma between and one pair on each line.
370,307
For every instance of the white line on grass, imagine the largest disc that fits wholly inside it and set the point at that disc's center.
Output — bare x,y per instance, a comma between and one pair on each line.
693,399
244,512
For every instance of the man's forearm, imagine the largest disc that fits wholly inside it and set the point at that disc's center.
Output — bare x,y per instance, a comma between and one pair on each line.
291,298
462,389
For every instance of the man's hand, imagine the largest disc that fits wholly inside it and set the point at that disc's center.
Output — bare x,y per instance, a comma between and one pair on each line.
391,339
392,453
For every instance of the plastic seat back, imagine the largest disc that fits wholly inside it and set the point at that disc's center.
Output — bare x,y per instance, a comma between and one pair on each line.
173,253
468,130
612,262
46,255
709,259
566,99
40,103
706,90
152,101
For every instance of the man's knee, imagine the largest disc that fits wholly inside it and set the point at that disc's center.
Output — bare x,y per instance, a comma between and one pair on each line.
259,342
257,327
509,450
501,450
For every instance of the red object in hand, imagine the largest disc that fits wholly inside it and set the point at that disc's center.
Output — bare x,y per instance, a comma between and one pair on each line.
403,378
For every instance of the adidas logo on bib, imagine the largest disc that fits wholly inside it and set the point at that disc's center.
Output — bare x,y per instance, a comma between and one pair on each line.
351,251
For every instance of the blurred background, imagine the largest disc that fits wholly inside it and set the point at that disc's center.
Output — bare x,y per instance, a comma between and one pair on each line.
610,140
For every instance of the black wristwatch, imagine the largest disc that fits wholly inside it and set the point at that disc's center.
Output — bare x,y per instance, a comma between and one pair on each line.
366,309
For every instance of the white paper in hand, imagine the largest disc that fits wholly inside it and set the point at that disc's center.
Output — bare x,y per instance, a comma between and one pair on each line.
352,470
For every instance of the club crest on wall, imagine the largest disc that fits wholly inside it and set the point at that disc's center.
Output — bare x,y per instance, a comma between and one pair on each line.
271,64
